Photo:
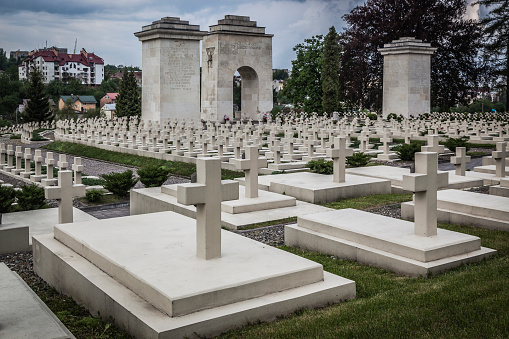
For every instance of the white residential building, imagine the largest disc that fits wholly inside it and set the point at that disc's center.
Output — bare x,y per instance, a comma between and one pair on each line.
87,67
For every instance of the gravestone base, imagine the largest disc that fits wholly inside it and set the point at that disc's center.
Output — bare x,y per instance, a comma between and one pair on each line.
113,269
284,166
13,238
489,169
501,190
467,208
151,200
384,242
319,188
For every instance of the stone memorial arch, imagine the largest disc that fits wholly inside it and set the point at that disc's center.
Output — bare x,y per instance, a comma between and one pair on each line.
236,44
171,69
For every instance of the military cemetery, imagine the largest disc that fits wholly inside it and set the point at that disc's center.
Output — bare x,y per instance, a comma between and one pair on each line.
193,220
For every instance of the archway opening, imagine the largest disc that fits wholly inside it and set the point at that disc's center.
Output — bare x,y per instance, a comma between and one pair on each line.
245,93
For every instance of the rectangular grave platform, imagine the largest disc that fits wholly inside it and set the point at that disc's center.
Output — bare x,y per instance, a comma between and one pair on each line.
264,201
318,188
395,175
143,271
384,242
490,169
24,315
150,200
467,208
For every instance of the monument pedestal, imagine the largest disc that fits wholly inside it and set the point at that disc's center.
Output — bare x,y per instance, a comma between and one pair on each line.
384,242
142,271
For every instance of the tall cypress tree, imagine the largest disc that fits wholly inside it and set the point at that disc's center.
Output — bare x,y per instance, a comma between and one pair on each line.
330,72
128,99
38,108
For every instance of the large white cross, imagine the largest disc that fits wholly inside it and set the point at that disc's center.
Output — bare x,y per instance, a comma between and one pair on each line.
206,194
499,155
432,144
64,193
425,183
250,166
460,160
338,155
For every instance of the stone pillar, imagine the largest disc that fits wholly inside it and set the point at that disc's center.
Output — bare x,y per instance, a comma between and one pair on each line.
406,82
236,44
171,69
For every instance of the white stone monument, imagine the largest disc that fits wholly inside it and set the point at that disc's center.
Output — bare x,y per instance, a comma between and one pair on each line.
406,79
171,69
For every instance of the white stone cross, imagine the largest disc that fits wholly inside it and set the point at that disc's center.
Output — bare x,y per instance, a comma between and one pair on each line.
460,160
250,166
276,150
338,155
28,158
38,166
77,167
499,155
206,194
425,183
64,193
62,162
364,141
3,153
386,139
432,144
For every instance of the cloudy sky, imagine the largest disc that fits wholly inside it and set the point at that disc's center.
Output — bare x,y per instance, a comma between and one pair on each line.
107,27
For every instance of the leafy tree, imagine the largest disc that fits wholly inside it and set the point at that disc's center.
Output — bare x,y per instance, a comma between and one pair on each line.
456,66
279,74
496,26
128,99
304,87
330,72
38,108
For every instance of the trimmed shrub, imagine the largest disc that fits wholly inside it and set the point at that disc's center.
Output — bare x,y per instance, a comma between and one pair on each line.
452,143
94,195
7,197
92,181
320,166
372,116
31,197
153,176
359,159
406,152
119,183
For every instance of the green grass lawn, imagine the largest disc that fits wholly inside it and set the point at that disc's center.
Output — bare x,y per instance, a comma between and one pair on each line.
370,201
175,167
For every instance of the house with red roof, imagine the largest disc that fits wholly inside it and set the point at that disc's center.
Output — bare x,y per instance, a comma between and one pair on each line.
86,67
109,98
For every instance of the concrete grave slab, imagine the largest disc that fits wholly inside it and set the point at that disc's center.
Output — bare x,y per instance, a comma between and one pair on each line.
150,200
385,242
24,315
395,175
143,271
467,208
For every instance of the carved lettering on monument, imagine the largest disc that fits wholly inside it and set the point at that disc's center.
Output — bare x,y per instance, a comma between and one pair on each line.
231,48
181,70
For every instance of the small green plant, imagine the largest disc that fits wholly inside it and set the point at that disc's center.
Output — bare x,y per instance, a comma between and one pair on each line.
372,116
7,197
119,183
406,152
92,181
452,143
153,175
94,195
320,166
359,159
31,197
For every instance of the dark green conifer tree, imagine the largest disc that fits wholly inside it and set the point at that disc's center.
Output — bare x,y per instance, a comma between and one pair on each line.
38,108
330,72
128,99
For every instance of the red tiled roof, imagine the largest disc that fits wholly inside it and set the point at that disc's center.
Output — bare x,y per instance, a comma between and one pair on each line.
84,57
112,96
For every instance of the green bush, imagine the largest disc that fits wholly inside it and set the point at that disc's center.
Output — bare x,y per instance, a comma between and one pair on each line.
119,183
359,159
452,143
5,123
15,136
31,197
406,152
94,195
7,197
92,181
372,116
320,166
153,175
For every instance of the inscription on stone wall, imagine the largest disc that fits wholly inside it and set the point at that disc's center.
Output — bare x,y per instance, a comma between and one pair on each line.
232,47
181,68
